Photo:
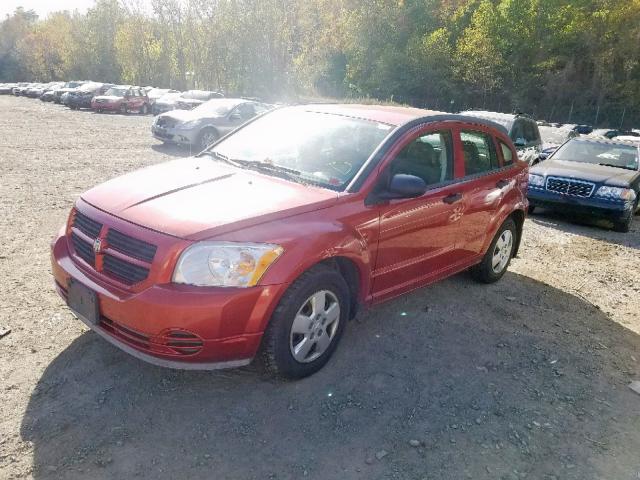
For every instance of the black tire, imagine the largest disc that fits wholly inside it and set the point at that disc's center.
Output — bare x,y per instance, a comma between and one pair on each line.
484,271
144,110
207,137
531,209
123,109
623,226
276,349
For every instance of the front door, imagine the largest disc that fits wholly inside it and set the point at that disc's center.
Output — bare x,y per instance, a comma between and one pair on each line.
418,236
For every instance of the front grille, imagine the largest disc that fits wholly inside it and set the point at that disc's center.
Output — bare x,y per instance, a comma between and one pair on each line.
166,122
131,246
570,186
124,271
83,249
117,267
86,225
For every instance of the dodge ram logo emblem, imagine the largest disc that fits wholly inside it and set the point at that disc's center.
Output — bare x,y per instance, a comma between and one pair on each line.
97,245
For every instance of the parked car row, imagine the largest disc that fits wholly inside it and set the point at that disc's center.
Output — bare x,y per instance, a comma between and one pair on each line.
107,97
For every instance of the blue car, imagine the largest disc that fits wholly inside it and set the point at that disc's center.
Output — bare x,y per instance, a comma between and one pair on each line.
599,178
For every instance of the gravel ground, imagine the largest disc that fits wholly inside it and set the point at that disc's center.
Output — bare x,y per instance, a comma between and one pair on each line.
526,378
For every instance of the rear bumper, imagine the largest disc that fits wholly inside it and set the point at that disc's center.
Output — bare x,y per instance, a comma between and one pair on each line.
225,324
582,206
111,107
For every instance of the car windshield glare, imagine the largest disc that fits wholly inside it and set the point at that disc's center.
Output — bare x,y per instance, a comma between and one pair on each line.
323,148
116,92
599,153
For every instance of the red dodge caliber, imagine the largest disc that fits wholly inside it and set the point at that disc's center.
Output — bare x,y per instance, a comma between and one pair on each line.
270,240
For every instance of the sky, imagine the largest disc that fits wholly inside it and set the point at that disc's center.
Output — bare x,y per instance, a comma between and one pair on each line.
43,7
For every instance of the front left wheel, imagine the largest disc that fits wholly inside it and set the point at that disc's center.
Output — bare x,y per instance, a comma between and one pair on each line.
307,324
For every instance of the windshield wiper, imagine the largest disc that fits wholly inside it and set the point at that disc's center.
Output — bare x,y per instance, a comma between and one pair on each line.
616,166
222,157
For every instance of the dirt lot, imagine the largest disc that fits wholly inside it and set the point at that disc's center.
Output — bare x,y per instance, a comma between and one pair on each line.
526,378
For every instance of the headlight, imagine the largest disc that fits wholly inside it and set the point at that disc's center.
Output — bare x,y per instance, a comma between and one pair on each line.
536,180
225,264
187,125
616,193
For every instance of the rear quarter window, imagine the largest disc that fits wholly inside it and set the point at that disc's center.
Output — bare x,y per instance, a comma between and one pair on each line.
507,154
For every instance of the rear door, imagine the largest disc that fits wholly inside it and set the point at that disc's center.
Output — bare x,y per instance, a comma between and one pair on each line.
418,236
488,176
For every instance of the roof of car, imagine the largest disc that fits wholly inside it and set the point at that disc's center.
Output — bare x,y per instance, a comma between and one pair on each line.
504,119
390,114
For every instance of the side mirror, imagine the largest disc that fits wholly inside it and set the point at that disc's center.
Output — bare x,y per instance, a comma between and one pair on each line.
235,116
403,186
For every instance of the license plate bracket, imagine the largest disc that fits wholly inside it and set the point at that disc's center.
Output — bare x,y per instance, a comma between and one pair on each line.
83,301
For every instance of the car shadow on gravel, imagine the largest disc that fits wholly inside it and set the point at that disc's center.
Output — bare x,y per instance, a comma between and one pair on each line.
174,150
592,228
501,381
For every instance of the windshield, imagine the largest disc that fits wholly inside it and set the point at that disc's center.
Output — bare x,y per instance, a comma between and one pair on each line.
117,92
611,154
321,148
216,107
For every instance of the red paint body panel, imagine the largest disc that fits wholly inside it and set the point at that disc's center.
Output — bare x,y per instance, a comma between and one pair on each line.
396,246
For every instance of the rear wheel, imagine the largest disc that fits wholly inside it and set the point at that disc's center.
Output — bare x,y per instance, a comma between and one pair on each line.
144,110
307,325
531,209
498,256
123,109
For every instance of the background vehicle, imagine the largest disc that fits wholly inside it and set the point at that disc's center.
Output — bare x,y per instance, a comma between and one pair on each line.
20,88
82,96
155,94
48,94
282,271
583,129
605,132
552,138
523,131
6,88
598,178
67,87
123,99
206,123
183,101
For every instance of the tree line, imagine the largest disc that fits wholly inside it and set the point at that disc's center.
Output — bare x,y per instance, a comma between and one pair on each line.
564,60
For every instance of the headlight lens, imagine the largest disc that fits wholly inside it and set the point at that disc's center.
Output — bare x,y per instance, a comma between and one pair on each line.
616,193
225,264
536,180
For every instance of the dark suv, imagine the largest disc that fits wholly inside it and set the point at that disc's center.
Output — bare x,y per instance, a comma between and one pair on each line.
523,131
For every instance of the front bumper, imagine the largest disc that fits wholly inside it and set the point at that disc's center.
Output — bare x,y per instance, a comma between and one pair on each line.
591,206
225,325
174,135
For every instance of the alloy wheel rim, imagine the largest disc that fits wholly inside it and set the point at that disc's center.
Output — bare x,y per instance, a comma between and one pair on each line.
207,139
502,251
314,326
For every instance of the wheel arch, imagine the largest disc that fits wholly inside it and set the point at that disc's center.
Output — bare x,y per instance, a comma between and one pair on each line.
518,217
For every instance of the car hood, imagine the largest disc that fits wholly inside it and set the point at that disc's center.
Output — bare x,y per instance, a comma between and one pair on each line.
618,177
184,115
197,198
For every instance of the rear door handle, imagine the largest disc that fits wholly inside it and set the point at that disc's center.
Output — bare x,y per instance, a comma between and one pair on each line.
453,198
502,183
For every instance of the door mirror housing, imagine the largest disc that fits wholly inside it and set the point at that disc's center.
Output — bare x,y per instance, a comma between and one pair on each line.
402,186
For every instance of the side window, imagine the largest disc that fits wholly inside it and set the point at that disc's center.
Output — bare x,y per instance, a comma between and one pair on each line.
479,152
428,157
507,155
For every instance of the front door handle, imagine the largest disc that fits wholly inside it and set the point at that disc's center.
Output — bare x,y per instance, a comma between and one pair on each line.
453,198
502,183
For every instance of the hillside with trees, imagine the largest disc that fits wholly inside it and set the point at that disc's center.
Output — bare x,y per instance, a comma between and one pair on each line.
563,60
